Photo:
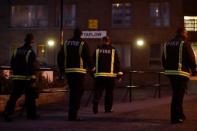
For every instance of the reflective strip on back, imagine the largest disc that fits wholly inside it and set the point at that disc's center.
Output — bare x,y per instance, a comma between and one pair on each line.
27,56
22,77
180,55
79,70
164,48
175,72
81,47
65,53
105,74
80,52
97,56
112,60
14,52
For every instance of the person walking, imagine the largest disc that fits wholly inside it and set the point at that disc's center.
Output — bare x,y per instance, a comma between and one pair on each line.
73,60
23,65
179,63
107,68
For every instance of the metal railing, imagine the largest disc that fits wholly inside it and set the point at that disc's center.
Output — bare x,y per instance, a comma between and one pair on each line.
131,84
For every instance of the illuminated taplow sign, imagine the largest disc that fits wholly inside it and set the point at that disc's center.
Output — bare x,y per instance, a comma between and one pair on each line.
94,34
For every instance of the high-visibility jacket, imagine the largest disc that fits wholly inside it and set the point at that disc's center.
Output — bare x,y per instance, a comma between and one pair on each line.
23,63
106,62
178,58
74,56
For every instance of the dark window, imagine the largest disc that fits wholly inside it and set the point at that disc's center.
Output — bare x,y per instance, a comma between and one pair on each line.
121,14
155,55
69,15
160,14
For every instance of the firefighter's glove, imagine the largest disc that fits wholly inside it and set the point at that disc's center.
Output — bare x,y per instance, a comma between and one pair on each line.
92,72
120,80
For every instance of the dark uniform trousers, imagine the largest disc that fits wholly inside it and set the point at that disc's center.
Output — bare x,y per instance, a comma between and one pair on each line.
76,88
21,87
101,84
179,85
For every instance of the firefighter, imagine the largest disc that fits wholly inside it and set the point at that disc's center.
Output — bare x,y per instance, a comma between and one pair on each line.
23,65
178,59
73,60
107,68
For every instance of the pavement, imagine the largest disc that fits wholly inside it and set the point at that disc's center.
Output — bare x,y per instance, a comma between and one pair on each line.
142,114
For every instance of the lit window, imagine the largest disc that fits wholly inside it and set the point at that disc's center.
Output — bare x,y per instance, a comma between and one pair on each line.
160,14
190,23
29,16
121,14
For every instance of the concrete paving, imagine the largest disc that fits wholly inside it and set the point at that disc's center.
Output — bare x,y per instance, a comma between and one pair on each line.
140,115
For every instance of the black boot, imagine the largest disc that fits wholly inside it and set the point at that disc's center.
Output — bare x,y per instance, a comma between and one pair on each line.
177,121
95,108
7,117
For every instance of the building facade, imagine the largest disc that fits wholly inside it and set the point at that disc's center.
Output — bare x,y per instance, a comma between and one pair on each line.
125,21
190,22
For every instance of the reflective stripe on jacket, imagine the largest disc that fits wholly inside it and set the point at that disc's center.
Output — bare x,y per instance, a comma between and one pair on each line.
107,63
79,69
22,77
178,58
23,61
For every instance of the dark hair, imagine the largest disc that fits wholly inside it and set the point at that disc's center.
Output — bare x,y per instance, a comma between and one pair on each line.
77,32
179,31
105,38
28,37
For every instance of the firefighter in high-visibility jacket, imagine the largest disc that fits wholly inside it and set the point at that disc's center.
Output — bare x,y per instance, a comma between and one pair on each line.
107,68
179,63
73,60
23,65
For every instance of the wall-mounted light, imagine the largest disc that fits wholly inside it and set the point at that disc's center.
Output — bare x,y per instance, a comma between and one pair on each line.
117,5
50,43
43,51
140,42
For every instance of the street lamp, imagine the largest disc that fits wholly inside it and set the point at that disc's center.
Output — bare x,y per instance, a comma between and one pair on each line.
51,44
61,21
138,43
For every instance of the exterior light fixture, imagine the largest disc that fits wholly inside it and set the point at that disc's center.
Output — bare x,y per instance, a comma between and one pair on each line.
51,43
140,42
